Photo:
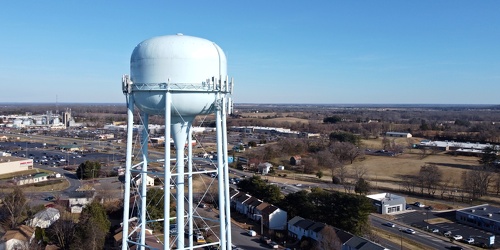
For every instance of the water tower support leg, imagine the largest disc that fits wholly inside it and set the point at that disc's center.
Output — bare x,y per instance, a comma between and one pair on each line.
166,173
144,179
220,175
128,165
227,200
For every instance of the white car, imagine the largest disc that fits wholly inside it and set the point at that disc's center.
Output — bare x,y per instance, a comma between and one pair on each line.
457,237
409,231
469,240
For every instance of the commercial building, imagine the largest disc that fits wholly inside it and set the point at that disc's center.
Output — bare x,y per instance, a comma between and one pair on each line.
483,217
387,203
12,164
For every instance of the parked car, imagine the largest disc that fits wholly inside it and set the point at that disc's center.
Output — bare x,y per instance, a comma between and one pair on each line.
447,233
409,231
252,233
429,208
435,230
457,237
274,245
469,240
418,204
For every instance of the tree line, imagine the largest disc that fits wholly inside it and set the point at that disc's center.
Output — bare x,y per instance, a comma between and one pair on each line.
348,212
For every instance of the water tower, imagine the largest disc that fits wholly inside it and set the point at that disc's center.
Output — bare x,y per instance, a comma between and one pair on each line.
177,77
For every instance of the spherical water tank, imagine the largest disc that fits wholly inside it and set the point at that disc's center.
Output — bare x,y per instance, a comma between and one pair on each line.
179,60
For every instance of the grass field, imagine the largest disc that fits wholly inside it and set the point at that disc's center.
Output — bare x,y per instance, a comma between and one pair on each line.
391,169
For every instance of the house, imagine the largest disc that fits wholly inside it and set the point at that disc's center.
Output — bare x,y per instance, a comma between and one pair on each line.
44,218
298,227
274,217
150,181
264,168
315,231
387,203
295,160
239,202
252,205
79,199
19,238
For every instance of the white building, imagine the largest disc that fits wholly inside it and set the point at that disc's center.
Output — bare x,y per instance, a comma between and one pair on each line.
274,217
45,218
387,203
12,164
264,168
79,199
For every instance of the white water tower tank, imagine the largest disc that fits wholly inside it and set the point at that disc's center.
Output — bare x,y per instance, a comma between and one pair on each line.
185,62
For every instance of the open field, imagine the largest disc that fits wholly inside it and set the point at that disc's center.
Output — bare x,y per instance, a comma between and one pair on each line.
391,169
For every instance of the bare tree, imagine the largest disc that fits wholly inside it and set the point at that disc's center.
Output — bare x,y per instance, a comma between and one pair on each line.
15,206
63,231
429,177
328,240
476,181
360,171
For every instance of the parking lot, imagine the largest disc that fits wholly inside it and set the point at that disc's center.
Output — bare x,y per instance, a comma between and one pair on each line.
442,223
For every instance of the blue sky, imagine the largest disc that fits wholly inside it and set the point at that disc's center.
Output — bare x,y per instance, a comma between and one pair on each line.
324,51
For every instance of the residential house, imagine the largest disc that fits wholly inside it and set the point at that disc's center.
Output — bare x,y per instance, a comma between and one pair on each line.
137,180
274,217
19,238
44,218
315,230
239,202
295,160
299,227
264,168
79,199
252,205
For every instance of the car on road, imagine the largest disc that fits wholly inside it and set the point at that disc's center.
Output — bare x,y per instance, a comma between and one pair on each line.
49,198
469,240
389,224
457,237
409,231
456,248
